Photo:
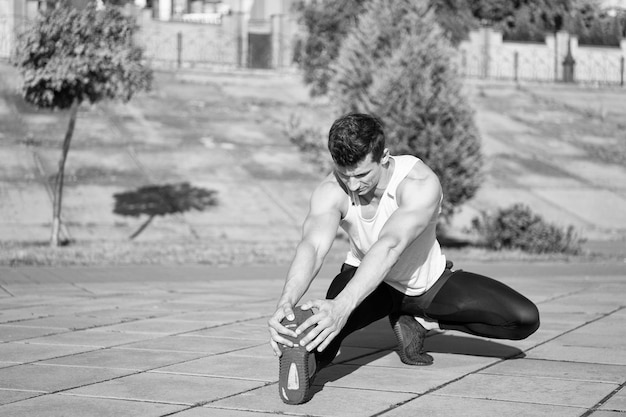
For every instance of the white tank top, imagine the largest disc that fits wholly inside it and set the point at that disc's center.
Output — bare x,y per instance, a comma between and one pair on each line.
421,263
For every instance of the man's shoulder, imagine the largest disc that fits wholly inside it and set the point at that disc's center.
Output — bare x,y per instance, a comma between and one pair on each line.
420,180
329,189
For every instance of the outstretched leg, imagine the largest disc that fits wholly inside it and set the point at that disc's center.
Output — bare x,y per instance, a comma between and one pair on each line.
373,308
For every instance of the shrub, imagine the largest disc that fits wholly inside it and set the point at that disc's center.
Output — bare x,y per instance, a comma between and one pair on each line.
517,227
397,64
312,143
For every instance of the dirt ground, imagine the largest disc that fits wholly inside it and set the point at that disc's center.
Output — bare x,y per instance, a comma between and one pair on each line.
556,148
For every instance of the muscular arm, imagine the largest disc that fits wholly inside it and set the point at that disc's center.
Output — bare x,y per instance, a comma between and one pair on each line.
419,196
318,233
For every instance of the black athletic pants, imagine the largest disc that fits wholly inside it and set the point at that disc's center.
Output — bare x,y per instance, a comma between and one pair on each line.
459,300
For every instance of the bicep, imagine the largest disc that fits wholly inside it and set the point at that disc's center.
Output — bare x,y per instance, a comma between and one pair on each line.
418,205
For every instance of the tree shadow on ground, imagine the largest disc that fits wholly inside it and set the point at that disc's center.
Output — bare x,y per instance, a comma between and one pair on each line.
376,335
161,200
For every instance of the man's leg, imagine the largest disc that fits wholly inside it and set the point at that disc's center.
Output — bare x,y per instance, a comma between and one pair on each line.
482,306
373,308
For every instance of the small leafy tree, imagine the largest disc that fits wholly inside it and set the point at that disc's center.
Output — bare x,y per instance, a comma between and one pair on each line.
72,55
398,65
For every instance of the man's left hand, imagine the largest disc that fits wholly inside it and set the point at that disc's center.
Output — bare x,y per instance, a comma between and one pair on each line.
325,324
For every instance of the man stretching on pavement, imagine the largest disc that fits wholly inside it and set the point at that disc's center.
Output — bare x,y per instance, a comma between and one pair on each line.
389,207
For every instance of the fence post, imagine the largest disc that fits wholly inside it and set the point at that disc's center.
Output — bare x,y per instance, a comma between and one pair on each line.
486,52
516,66
239,39
179,49
621,71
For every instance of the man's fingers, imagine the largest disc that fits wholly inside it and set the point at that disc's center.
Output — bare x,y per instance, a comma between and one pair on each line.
275,348
321,340
288,311
275,323
327,341
277,338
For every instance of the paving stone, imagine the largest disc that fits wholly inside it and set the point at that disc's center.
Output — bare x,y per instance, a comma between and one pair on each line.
69,322
443,406
51,378
561,370
216,412
558,350
27,352
451,365
529,389
92,338
237,331
223,317
11,395
406,380
155,326
6,364
9,333
71,406
617,402
607,414
212,345
330,401
230,365
139,360
168,388
463,344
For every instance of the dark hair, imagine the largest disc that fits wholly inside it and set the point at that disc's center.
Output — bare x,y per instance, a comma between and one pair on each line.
353,136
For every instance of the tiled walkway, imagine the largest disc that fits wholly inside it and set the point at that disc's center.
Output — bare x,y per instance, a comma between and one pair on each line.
192,342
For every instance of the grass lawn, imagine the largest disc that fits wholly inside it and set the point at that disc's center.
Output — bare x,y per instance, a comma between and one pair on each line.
225,133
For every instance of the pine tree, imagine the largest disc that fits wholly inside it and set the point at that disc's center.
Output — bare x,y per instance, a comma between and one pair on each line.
398,65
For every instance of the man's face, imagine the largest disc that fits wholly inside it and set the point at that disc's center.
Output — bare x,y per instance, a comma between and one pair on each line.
361,178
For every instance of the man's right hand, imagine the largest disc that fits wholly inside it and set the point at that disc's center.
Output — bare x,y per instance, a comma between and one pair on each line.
276,329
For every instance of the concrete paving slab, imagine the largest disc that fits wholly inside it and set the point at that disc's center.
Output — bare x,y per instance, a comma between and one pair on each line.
229,365
330,401
616,403
27,352
562,370
530,390
444,406
607,414
70,406
404,380
90,338
159,326
168,388
208,345
252,330
451,365
50,378
218,361
9,333
76,321
12,395
216,412
138,360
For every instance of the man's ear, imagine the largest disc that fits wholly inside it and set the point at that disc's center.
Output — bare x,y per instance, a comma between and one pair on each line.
385,158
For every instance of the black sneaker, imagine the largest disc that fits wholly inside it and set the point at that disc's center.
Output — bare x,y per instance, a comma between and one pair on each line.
297,365
410,336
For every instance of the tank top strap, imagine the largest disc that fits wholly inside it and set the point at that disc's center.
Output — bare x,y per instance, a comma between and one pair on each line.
404,165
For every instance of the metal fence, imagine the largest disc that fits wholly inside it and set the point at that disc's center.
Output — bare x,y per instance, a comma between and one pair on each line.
558,59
